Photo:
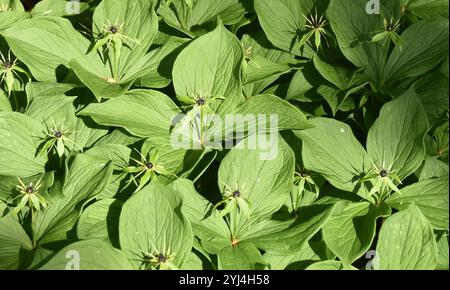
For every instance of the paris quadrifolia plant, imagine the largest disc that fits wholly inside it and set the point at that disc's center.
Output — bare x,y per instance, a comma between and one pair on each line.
109,41
10,72
234,199
154,258
389,33
57,139
199,109
30,197
303,183
384,180
224,135
315,27
146,169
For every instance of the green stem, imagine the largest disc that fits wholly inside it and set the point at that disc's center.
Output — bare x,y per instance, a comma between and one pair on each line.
201,126
33,227
15,101
115,63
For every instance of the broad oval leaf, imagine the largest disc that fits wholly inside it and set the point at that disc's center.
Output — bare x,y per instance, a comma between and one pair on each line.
395,141
245,256
331,149
19,140
292,239
284,21
143,113
349,233
430,195
13,239
414,58
289,117
100,221
88,255
152,222
194,17
47,45
210,67
406,242
261,167
87,177
11,12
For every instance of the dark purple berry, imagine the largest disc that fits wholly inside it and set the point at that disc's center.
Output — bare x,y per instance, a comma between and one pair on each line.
58,134
383,173
201,102
236,194
7,65
29,189
149,165
162,258
113,29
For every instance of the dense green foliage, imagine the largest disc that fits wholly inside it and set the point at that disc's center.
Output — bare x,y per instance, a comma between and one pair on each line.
90,179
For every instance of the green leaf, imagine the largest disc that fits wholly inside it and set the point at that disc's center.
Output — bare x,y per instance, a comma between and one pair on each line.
47,45
432,168
326,265
259,68
5,105
197,16
349,233
152,221
292,239
101,84
144,113
53,111
426,8
406,242
137,26
11,12
85,134
414,58
244,256
284,20
353,29
176,162
88,255
58,8
304,85
210,66
432,90
196,208
431,196
331,149
118,136
100,221
157,72
118,154
256,45
263,174
442,260
13,239
289,116
19,137
36,89
339,76
314,250
87,177
395,141
14,5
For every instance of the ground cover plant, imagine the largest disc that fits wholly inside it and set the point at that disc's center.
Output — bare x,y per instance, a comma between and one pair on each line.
95,96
